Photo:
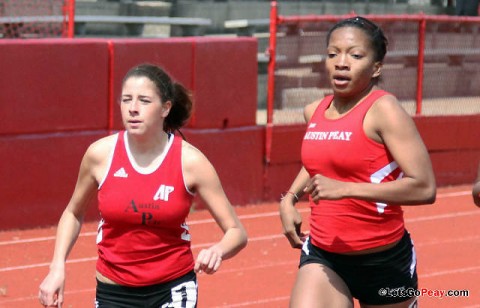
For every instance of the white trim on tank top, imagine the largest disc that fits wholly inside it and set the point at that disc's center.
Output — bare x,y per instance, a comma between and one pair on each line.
151,169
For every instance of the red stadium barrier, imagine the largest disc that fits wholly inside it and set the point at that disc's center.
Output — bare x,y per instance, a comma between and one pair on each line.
237,155
38,176
451,141
453,146
59,95
431,64
225,87
44,88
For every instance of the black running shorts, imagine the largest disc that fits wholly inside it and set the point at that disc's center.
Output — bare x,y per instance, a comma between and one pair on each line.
380,278
181,293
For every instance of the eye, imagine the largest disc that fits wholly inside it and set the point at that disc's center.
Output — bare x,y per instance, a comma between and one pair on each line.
145,101
331,55
357,56
126,100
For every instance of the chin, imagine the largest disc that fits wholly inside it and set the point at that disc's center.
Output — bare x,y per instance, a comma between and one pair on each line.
341,91
134,131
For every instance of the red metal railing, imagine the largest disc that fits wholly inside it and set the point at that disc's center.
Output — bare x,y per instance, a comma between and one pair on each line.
276,21
68,19
271,79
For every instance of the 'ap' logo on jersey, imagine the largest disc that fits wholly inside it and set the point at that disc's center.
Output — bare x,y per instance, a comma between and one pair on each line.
163,192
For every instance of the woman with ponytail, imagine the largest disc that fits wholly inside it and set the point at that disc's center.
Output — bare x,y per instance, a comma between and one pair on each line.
145,178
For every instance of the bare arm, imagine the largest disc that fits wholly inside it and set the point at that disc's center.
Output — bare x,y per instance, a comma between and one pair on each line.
386,122
72,217
201,177
69,226
476,189
289,215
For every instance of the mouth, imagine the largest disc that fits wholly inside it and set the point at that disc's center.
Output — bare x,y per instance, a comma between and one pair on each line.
134,123
341,80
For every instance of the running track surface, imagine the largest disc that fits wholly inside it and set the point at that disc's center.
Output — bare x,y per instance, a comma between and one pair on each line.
446,237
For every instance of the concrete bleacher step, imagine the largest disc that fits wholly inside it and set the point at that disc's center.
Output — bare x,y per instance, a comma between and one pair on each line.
221,11
300,97
122,8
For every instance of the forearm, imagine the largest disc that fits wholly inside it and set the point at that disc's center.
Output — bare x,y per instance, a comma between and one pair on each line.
296,190
405,191
234,240
67,233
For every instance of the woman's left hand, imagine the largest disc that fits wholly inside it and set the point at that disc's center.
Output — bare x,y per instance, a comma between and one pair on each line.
320,187
208,260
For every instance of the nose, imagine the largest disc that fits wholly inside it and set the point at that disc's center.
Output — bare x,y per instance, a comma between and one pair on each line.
133,107
342,62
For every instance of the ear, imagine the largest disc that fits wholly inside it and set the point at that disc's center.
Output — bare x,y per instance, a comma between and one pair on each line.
166,106
377,69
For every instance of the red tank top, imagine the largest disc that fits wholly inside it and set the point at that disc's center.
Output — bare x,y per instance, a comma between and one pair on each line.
143,238
340,149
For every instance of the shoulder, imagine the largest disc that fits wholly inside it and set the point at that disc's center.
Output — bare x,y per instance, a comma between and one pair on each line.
385,101
309,110
387,106
387,112
100,149
191,156
197,169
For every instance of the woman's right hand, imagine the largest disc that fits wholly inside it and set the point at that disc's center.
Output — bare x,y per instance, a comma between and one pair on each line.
292,223
51,289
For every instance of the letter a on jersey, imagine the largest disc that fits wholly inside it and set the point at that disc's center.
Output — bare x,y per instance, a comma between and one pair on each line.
163,192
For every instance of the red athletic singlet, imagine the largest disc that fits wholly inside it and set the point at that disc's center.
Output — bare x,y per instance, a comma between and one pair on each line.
143,238
339,149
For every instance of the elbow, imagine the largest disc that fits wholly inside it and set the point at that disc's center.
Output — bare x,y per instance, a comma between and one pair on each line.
429,194
476,199
425,189
241,239
476,193
431,198
244,240
243,244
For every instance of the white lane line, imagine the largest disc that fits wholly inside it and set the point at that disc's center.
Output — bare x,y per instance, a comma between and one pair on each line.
443,216
72,261
450,272
267,214
27,298
257,302
252,216
46,264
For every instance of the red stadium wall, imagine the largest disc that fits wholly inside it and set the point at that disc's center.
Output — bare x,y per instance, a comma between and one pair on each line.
454,148
59,95
213,68
452,142
44,89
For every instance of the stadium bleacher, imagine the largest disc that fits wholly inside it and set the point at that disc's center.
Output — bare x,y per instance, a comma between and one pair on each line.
221,11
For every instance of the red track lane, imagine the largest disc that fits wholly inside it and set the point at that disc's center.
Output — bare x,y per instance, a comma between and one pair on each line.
446,237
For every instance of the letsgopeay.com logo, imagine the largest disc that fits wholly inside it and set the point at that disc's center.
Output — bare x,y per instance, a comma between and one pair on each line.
412,292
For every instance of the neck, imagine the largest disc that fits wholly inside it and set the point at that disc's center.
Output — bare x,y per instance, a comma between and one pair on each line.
146,150
344,104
